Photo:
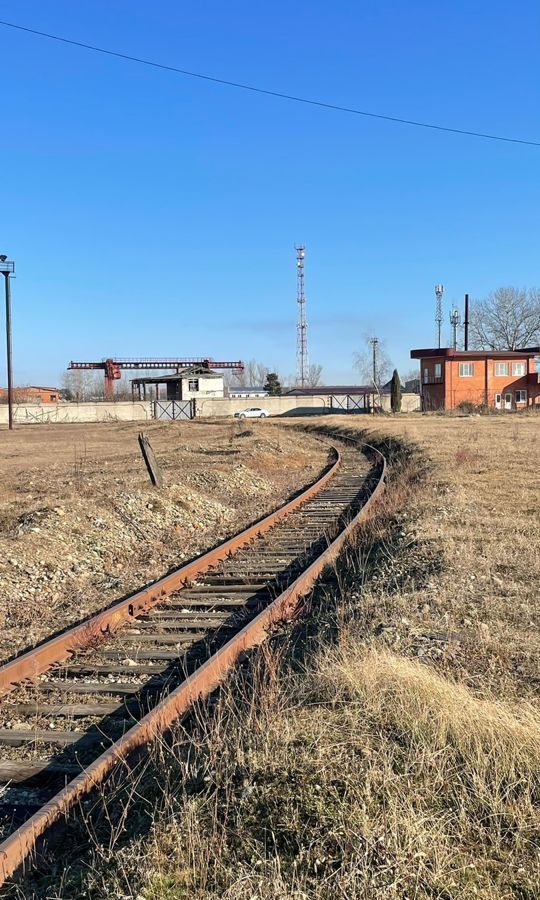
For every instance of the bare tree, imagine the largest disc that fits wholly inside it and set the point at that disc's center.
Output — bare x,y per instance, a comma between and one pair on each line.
509,318
77,384
411,374
288,381
314,375
411,380
254,375
363,363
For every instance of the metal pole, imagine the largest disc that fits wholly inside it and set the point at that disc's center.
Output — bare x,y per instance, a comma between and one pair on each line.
9,355
466,324
373,341
301,328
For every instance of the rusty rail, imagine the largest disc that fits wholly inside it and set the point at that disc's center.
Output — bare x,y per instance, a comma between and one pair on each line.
17,848
35,661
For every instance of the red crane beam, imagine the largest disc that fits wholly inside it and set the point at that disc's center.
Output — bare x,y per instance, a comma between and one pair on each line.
112,368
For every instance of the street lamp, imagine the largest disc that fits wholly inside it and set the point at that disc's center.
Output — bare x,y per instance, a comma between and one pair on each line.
374,345
7,268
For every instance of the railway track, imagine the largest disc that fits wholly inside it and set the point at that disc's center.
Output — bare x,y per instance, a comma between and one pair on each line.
78,704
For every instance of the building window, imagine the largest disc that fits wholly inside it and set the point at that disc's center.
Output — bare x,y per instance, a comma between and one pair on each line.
193,384
518,369
466,370
521,396
501,368
438,370
426,376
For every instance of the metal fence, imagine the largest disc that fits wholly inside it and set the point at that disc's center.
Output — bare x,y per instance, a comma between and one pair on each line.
174,409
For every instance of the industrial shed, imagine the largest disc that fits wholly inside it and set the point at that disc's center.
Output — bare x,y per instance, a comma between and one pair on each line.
194,382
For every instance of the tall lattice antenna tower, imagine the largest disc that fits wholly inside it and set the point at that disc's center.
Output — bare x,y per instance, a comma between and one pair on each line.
439,290
301,328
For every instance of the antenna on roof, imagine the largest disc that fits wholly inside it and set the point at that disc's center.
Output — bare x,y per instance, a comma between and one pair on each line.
439,290
455,322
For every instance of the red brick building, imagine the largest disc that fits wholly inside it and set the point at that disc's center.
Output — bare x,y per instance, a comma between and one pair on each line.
32,394
504,379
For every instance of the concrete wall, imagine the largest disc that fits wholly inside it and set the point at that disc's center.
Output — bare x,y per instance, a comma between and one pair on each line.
31,414
292,406
409,402
227,406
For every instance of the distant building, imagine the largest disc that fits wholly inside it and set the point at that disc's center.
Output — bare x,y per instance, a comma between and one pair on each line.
349,397
504,379
243,393
32,394
194,382
413,385
387,388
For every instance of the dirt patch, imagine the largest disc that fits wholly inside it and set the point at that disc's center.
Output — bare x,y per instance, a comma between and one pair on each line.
80,523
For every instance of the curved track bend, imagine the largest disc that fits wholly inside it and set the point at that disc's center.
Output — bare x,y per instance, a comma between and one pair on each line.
84,700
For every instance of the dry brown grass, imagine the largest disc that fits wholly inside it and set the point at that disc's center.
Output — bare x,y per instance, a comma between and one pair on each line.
496,741
402,758
369,776
478,509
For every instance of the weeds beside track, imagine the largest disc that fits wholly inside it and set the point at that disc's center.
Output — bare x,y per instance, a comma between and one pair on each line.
329,512
355,755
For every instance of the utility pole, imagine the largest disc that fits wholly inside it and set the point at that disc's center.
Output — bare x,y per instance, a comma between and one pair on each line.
301,328
374,344
439,290
7,267
466,324
455,322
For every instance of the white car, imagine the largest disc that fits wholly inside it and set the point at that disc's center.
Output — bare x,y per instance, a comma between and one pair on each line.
254,412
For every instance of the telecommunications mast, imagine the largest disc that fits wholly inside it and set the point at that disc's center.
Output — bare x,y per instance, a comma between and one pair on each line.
301,328
455,322
439,288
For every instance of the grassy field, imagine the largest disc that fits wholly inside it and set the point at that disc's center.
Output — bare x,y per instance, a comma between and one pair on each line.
392,748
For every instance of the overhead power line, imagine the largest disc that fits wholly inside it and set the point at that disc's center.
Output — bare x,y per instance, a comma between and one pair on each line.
258,90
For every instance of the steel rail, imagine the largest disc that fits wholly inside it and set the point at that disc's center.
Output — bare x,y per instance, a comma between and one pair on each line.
15,850
57,649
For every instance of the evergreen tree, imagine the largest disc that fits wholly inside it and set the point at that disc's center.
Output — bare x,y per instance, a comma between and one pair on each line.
273,385
395,397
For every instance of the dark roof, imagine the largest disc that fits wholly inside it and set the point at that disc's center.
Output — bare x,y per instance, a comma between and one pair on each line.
450,353
191,371
245,390
327,389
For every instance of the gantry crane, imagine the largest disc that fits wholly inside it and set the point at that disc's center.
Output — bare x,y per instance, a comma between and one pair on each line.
112,368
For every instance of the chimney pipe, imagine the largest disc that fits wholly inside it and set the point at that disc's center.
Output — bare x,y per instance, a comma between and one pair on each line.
466,324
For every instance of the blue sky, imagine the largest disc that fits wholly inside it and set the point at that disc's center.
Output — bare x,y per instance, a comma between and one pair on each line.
151,214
